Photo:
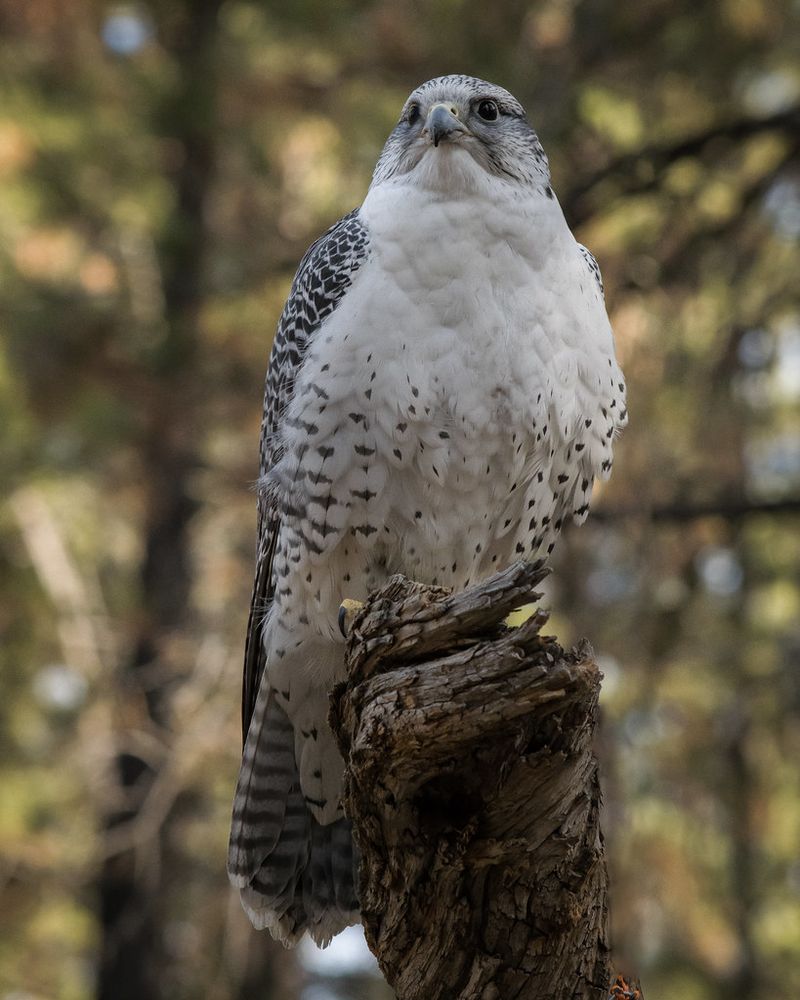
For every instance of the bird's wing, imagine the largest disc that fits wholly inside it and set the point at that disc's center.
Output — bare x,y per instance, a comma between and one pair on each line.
594,267
323,277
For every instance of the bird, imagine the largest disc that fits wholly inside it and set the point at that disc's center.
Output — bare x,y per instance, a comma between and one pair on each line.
441,395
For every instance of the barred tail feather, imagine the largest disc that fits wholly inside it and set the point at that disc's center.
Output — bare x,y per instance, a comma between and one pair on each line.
329,886
263,792
294,874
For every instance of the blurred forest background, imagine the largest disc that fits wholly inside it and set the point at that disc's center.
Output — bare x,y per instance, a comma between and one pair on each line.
163,166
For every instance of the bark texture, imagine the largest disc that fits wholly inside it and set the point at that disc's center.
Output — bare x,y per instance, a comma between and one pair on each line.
474,794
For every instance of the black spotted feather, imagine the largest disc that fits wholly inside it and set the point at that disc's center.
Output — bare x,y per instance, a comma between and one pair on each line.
323,277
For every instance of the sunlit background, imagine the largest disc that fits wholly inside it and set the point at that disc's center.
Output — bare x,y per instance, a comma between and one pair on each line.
163,166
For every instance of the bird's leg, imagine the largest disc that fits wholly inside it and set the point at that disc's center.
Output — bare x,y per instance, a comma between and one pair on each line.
348,609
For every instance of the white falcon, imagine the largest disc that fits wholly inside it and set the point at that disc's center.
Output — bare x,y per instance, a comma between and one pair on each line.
442,393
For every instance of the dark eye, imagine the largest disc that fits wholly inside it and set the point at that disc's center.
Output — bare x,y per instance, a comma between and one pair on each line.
412,115
488,110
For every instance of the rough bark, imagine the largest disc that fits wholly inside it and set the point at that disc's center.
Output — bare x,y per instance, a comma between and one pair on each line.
474,794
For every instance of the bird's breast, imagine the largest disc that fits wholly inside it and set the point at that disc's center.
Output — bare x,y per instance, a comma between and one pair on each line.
439,422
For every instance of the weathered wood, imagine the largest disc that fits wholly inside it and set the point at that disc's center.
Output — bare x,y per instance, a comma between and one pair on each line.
474,794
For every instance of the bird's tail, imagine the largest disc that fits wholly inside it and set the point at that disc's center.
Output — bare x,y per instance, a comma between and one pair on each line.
293,873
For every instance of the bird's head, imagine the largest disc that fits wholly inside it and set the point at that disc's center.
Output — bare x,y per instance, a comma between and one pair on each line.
454,124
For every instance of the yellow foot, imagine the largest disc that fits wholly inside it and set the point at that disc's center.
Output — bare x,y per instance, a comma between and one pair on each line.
348,609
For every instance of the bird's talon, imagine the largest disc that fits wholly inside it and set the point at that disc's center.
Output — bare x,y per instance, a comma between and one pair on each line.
348,609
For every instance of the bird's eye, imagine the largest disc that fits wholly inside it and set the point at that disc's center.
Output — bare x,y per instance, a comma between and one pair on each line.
488,110
412,115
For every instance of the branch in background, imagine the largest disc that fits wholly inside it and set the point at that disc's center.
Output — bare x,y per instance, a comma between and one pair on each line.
731,510
474,794
82,622
639,172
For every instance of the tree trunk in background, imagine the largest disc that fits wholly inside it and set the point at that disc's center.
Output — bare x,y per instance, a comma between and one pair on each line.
474,794
131,880
745,981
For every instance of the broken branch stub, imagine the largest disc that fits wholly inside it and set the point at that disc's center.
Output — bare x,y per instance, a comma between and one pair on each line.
474,795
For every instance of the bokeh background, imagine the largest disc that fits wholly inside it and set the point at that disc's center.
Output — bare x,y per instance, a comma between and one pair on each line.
163,166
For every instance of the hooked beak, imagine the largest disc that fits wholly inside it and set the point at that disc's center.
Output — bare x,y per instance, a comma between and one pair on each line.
442,123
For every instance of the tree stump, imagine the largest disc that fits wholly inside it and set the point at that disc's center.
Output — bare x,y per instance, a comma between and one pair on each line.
474,794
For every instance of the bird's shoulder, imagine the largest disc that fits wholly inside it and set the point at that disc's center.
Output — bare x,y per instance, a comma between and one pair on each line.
324,274
594,268
321,281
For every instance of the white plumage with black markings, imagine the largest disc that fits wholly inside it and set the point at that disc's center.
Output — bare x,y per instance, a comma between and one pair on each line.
441,395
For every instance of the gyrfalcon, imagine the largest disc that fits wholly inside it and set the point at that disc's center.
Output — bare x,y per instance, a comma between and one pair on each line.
442,393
